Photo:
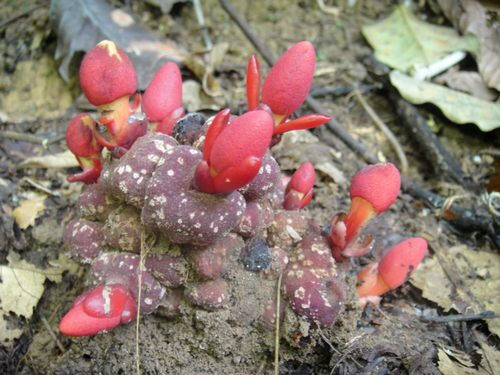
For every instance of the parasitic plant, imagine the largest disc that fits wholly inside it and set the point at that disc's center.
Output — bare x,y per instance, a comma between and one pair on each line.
184,203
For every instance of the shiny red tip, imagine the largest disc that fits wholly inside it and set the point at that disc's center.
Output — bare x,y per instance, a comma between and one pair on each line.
106,74
289,80
378,184
233,152
100,309
299,190
164,93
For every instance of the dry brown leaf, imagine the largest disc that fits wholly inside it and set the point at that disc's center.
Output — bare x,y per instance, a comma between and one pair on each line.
462,279
490,357
29,209
469,16
21,287
469,82
64,159
449,364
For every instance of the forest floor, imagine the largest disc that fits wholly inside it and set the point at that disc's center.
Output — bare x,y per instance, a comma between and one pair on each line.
459,276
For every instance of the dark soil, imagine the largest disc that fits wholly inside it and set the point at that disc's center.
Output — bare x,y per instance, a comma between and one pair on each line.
389,339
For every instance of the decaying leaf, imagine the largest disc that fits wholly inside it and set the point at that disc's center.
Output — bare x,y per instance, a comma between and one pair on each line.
404,42
204,68
470,16
64,159
469,82
490,357
81,24
458,107
26,213
21,287
449,365
462,279
36,92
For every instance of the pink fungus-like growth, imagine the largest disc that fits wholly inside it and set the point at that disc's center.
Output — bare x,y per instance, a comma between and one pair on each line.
310,282
94,203
84,238
183,214
373,190
392,271
233,152
299,190
210,295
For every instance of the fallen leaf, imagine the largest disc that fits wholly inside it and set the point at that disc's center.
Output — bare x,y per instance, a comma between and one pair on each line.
448,366
26,213
81,24
21,287
64,159
472,17
490,357
458,107
477,289
36,92
405,43
469,82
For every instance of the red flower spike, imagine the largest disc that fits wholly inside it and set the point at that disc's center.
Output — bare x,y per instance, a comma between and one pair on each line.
233,153
305,122
299,190
166,126
100,309
107,74
379,184
164,93
253,82
401,260
289,80
373,190
82,143
108,79
393,269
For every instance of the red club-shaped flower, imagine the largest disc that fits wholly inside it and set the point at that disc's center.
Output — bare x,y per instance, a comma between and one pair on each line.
162,100
82,143
100,309
285,87
392,271
299,190
373,190
233,151
108,79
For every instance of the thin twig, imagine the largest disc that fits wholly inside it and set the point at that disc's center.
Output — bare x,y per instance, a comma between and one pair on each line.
247,30
144,251
31,138
461,317
198,11
277,328
51,332
383,127
40,187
